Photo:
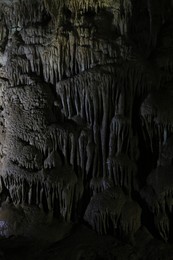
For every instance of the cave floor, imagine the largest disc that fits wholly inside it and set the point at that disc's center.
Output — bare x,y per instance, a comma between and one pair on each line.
87,245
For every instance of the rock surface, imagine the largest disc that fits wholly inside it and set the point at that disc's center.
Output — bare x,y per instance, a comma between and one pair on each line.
86,123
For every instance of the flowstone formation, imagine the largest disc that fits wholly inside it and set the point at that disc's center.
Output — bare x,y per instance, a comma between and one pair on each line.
86,114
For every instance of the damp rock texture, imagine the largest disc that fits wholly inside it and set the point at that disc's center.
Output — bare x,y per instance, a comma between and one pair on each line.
86,114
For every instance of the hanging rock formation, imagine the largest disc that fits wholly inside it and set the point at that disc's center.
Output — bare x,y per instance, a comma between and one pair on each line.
86,113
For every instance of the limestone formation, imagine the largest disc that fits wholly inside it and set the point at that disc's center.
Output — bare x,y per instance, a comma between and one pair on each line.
86,114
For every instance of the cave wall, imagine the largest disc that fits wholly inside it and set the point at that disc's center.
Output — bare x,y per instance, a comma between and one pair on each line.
86,112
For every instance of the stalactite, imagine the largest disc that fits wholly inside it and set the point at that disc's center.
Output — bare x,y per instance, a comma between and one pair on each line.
23,191
107,204
162,224
130,219
80,83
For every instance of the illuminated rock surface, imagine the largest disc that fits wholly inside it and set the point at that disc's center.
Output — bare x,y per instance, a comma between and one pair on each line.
86,123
